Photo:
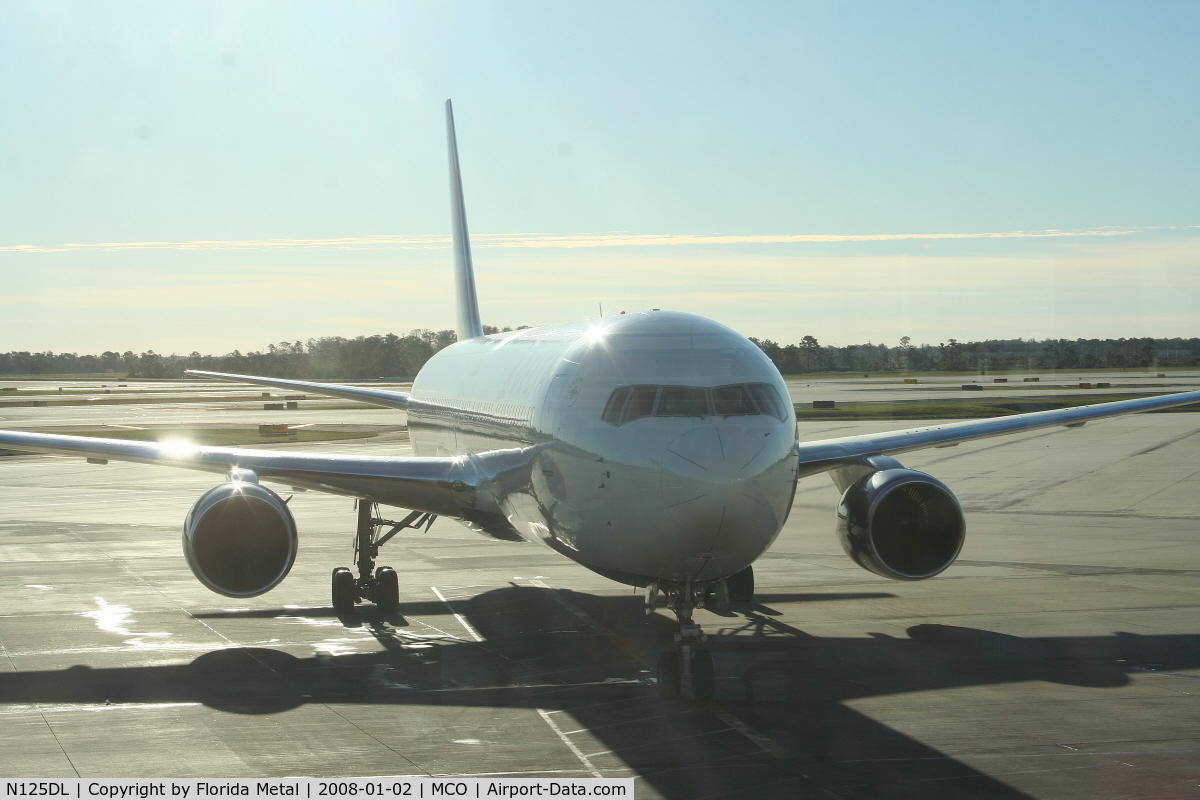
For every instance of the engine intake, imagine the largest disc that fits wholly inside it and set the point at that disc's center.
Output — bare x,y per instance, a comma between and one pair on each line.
901,524
240,539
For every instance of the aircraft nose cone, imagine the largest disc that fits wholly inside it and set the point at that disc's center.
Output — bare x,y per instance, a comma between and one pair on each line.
709,490
706,458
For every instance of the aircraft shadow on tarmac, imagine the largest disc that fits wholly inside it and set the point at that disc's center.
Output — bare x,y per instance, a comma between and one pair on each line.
590,656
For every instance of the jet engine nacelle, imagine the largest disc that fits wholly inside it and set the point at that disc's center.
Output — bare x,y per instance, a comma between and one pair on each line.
240,539
901,524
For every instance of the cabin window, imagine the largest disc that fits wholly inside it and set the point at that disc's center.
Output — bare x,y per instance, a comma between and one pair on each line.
768,400
731,401
683,401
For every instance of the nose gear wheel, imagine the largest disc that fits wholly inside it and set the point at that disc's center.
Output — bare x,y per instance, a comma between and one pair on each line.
685,672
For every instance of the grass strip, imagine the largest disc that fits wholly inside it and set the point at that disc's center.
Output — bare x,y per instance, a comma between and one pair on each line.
966,409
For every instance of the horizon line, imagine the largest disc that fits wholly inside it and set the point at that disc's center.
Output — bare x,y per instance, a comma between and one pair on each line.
564,241
412,331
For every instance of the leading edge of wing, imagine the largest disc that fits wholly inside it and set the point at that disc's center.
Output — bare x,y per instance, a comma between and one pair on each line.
379,397
441,485
824,454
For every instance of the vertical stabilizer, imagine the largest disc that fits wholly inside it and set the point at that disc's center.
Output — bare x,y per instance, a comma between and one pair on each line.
469,325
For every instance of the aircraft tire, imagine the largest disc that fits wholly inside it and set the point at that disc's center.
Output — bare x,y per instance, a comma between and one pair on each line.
669,676
344,594
717,598
741,586
387,589
704,677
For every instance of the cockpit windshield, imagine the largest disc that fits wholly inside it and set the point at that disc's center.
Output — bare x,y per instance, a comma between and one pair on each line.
682,401
729,400
628,403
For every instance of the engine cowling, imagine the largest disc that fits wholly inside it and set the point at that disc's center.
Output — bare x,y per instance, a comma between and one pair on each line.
901,524
240,539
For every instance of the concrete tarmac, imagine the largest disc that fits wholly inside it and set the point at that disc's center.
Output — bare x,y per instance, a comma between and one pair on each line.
1056,659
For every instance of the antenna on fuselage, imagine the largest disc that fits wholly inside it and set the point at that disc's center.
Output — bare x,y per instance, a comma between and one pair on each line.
468,325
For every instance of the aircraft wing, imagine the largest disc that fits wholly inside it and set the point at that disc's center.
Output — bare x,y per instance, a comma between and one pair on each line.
825,454
442,485
379,397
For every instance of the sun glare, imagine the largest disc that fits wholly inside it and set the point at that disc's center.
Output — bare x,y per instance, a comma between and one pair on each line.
593,335
177,448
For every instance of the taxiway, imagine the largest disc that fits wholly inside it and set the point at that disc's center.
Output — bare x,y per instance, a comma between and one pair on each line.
1056,659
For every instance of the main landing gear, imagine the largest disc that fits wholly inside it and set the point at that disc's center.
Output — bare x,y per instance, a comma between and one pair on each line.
686,671
379,585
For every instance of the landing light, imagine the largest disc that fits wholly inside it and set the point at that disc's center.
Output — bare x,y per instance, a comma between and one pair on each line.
239,475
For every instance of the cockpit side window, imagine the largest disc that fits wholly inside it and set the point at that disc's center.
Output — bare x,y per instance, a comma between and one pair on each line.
641,403
683,401
616,404
768,400
732,400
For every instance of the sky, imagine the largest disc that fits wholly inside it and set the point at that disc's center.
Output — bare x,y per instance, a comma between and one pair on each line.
211,176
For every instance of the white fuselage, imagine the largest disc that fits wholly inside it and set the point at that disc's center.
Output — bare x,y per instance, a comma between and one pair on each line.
661,445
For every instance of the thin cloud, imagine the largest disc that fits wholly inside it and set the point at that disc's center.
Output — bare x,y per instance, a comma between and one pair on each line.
131,292
540,240
344,243
639,240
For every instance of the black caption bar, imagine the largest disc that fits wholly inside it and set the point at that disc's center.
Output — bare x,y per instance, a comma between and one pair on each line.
418,787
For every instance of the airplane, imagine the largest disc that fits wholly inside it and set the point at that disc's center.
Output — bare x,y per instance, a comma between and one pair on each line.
658,449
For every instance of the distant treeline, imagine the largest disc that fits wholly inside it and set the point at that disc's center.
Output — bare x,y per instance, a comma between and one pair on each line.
989,355
392,356
330,357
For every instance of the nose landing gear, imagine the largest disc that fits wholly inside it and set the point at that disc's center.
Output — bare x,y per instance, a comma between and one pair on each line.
381,586
686,671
